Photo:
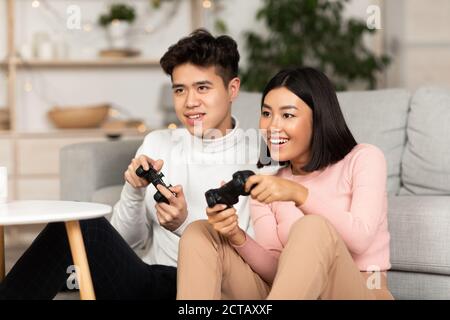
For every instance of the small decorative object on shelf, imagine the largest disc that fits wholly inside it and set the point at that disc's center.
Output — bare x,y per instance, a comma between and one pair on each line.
79,117
41,46
121,120
119,53
117,23
4,119
114,128
120,125
3,184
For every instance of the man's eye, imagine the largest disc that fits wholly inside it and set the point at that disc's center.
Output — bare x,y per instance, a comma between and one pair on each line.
265,114
288,115
203,88
178,90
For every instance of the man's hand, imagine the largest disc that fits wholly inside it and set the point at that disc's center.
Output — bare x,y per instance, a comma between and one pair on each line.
144,161
172,215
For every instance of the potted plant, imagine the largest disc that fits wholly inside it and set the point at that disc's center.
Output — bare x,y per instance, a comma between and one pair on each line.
117,23
312,33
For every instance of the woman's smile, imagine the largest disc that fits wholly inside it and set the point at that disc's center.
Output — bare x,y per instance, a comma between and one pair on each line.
276,142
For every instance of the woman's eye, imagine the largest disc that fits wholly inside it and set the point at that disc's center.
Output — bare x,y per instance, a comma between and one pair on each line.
265,114
288,115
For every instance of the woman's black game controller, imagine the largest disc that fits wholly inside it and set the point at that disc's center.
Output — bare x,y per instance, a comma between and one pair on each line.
229,193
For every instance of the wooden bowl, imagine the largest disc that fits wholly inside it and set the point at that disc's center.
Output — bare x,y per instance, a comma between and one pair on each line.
79,117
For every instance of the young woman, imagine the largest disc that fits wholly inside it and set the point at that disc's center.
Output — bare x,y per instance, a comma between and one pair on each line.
320,223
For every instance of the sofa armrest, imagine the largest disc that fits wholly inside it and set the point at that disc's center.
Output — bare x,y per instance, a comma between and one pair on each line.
87,167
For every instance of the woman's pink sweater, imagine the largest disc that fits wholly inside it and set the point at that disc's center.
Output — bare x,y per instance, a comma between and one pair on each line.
351,194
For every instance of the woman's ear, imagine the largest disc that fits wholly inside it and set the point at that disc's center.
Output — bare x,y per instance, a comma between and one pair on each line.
233,88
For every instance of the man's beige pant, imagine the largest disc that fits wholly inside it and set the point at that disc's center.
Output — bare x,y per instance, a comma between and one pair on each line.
315,264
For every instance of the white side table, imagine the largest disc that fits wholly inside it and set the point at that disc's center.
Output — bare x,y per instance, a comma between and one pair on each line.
70,212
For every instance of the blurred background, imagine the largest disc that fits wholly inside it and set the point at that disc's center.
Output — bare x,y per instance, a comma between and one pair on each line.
56,53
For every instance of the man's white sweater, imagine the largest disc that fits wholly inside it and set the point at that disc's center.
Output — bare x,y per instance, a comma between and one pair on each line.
196,164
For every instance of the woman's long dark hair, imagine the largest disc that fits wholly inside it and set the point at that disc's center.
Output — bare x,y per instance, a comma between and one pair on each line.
331,138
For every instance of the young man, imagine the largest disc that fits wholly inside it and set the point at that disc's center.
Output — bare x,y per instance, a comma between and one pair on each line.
203,70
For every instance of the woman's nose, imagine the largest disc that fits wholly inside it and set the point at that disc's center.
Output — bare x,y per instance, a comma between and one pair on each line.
275,125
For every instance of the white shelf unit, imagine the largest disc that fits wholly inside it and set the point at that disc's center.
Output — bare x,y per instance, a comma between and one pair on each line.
32,157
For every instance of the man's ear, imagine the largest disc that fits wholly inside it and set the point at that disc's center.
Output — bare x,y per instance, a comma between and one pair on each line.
233,88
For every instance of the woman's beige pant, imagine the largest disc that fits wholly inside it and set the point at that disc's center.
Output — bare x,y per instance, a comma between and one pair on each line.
315,264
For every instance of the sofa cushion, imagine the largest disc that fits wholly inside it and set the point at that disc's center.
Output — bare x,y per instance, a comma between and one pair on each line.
379,118
418,286
420,233
426,161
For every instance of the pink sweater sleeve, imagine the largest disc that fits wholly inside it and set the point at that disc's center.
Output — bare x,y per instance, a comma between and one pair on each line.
357,226
262,254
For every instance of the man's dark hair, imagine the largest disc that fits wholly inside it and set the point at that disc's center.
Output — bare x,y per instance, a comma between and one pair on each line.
203,49
331,139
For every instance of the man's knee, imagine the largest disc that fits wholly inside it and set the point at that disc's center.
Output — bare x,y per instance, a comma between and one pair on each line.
98,230
97,223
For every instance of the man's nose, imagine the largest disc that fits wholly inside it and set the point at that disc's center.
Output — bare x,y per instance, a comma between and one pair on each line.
192,99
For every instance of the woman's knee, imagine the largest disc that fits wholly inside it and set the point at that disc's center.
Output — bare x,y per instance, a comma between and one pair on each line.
196,232
311,227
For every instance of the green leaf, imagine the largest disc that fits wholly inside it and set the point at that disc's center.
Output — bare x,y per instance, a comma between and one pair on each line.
220,26
118,11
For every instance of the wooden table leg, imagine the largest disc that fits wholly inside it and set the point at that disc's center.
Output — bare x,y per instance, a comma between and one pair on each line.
2,253
80,260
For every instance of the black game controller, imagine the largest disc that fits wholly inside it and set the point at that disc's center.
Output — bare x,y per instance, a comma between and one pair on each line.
154,178
229,193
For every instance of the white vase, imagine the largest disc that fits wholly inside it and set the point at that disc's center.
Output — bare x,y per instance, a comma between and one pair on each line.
117,32
3,184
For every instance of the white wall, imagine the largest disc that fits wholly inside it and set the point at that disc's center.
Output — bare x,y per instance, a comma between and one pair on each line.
418,36
2,52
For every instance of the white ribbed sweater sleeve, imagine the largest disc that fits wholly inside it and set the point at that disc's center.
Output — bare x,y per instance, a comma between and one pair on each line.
129,216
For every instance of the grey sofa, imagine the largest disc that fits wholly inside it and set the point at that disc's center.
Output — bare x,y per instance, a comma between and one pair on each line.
413,130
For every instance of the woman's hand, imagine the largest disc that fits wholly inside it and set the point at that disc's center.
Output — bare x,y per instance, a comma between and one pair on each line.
225,221
268,189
